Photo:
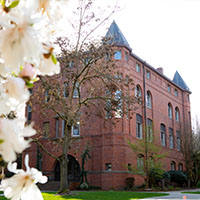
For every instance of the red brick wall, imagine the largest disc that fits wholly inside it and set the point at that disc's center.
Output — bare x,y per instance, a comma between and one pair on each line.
109,143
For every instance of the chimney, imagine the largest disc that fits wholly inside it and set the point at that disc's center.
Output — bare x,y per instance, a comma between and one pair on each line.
160,69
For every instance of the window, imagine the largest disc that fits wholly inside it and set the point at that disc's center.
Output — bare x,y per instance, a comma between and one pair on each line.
188,97
169,111
168,88
118,99
108,106
107,57
126,56
46,129
63,128
118,55
76,130
57,127
180,167
76,90
138,126
138,68
29,113
173,166
47,97
148,75
87,61
66,89
140,163
108,167
129,167
126,79
119,76
149,130
138,94
151,162
163,135
148,100
176,92
177,115
171,138
178,140
71,64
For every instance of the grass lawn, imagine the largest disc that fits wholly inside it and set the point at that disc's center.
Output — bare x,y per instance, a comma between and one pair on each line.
101,195
198,192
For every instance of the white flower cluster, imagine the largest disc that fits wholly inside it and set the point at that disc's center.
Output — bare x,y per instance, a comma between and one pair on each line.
25,53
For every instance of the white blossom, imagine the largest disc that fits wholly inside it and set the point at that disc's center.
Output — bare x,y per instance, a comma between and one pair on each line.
13,93
19,42
12,134
22,186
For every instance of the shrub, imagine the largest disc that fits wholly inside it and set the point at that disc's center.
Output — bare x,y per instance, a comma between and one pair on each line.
178,177
130,182
84,186
198,184
155,176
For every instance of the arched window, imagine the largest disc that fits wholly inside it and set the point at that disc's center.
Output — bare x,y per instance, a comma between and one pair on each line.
169,110
180,167
171,138
140,163
163,134
148,100
173,166
118,99
138,94
138,126
177,115
151,162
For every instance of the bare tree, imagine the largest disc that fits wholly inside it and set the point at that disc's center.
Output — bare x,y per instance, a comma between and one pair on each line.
89,84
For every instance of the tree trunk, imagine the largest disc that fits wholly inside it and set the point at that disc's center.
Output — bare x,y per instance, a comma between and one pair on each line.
64,161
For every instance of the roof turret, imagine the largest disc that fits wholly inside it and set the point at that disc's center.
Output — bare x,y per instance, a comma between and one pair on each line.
116,37
178,80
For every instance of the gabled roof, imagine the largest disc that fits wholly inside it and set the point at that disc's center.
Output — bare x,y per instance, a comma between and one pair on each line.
178,80
115,36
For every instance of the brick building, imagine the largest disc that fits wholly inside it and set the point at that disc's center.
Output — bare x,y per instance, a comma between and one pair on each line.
163,105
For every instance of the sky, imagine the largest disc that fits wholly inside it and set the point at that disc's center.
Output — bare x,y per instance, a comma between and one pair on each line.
166,33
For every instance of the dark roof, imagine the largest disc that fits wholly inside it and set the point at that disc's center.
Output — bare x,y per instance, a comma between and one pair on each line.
178,80
116,37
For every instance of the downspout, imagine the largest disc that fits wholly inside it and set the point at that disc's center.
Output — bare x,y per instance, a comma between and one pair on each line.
145,124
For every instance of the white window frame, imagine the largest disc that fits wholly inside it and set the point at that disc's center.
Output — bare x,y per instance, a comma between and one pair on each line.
149,100
139,132
171,138
163,135
118,55
138,68
78,125
169,111
119,111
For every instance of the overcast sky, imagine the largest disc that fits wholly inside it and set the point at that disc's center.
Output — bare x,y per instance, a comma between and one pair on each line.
166,33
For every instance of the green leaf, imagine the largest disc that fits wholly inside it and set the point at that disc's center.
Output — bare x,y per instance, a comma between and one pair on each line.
53,58
2,2
1,141
13,4
29,84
